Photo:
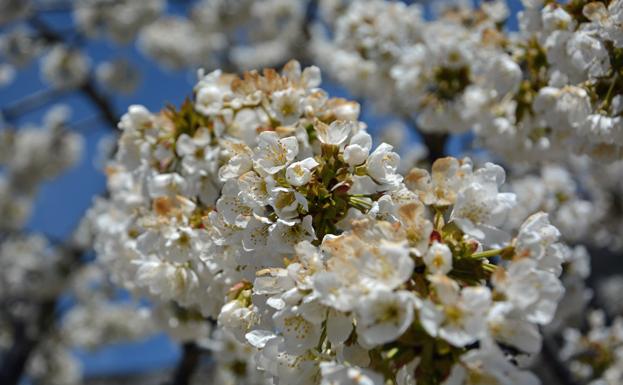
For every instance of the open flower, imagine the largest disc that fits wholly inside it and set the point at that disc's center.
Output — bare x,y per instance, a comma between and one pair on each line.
299,173
275,154
336,133
382,316
197,155
480,209
459,317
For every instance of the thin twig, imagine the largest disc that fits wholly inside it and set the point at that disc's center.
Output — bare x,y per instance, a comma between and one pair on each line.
31,102
84,124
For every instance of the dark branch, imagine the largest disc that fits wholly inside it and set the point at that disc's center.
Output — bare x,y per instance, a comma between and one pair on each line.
25,341
435,142
88,88
188,364
26,338
553,364
101,103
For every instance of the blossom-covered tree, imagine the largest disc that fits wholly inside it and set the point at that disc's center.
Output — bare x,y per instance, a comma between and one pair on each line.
263,223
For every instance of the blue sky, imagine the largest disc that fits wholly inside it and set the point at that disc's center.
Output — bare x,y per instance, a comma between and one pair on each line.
62,202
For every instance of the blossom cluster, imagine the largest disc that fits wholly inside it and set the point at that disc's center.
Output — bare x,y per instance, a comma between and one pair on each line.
441,68
595,357
213,34
582,197
261,221
251,164
527,95
34,273
262,204
534,94
216,33
408,299
29,156
555,191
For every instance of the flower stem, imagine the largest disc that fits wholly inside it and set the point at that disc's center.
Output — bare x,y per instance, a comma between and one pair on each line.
610,93
361,204
489,267
490,253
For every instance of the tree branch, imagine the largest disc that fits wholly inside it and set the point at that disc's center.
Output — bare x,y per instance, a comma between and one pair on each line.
88,88
100,102
31,102
25,337
553,365
15,360
188,364
435,142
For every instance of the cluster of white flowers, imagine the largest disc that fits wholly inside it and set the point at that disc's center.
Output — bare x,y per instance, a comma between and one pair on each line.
367,41
35,272
121,20
581,196
261,203
234,361
17,49
550,87
30,269
29,156
197,196
261,223
405,299
259,33
596,356
65,67
118,75
556,192
54,364
572,307
582,52
31,273
448,70
218,33
98,318
604,185
176,43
